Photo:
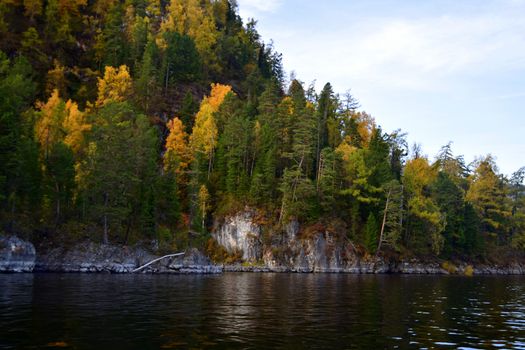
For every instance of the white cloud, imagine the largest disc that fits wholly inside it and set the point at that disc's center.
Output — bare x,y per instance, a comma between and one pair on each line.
410,53
254,8
441,71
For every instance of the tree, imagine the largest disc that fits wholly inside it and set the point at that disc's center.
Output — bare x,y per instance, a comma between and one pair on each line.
328,180
19,173
234,147
187,17
60,176
48,127
180,59
203,139
517,195
146,80
187,111
450,199
371,231
33,8
75,126
177,156
60,121
489,196
454,167
115,86
392,215
266,143
119,169
326,109
296,186
425,221
204,198
111,45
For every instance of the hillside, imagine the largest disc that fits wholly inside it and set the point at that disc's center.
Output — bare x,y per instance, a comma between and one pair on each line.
138,120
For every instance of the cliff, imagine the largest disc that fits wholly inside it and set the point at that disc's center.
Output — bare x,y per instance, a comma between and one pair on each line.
322,251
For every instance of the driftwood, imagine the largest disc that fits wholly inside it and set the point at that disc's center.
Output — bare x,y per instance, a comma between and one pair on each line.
155,260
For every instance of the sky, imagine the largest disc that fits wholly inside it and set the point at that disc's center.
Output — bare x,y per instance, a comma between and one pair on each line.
441,71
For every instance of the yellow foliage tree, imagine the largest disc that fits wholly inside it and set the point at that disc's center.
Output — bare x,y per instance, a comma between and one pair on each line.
177,156
418,174
188,17
33,8
115,86
75,125
204,136
217,95
345,150
489,196
365,126
418,177
48,128
60,121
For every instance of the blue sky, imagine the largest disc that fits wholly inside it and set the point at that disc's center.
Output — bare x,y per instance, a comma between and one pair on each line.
439,70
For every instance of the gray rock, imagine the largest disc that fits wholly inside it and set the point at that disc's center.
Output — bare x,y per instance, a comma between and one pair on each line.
16,255
92,257
89,257
240,234
193,262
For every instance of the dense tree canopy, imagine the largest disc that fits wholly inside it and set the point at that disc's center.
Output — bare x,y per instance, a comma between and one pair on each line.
129,120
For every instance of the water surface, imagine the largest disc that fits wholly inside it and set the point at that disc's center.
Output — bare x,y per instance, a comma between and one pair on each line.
249,310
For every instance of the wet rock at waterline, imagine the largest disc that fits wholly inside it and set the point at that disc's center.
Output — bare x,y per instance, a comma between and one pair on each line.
16,255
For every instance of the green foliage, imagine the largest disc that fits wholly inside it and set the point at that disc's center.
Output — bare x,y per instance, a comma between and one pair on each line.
59,177
143,150
371,233
118,173
180,59
489,196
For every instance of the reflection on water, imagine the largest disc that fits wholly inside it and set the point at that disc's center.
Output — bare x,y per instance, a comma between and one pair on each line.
260,311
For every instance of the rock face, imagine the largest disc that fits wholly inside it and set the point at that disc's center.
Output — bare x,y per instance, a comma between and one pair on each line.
193,262
321,252
287,251
16,255
92,257
240,234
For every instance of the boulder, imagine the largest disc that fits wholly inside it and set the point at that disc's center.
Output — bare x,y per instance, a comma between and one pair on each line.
16,255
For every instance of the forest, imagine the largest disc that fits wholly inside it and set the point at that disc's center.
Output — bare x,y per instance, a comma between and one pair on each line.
124,121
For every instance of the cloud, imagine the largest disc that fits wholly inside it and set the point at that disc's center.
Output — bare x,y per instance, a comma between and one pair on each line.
422,53
441,71
255,8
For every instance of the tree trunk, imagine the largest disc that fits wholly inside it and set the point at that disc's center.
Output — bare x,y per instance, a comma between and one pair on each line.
57,210
105,238
210,164
384,222
167,78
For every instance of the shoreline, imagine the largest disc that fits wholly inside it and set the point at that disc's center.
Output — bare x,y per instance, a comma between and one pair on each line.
367,269
17,255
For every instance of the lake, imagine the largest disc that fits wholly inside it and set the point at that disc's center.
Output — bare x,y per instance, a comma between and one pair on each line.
266,310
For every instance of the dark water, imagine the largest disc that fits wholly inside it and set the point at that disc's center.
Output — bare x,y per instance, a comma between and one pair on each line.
260,311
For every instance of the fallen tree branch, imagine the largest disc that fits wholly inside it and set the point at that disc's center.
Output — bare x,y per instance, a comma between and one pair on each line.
155,260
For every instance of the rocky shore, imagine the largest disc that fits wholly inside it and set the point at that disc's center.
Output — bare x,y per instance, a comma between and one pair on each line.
17,255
